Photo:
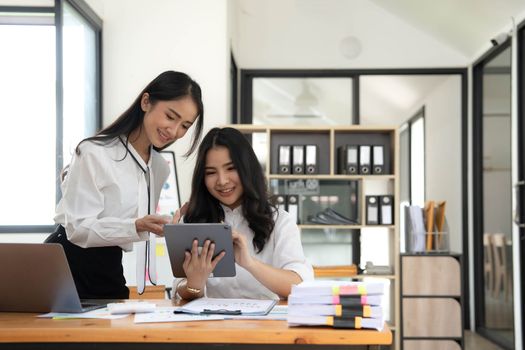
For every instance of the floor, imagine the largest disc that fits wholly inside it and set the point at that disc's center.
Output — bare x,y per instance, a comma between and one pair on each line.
473,341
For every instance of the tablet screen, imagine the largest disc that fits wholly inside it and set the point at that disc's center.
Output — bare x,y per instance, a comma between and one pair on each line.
179,238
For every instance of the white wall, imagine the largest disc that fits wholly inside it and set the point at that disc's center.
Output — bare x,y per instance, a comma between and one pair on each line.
443,154
143,38
307,34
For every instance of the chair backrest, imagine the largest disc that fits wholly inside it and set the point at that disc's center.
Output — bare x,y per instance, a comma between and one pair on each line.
498,245
487,247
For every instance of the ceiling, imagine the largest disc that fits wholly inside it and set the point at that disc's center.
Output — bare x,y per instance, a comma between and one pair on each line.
465,25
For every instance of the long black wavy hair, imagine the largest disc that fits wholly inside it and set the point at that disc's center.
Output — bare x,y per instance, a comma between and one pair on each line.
168,86
256,208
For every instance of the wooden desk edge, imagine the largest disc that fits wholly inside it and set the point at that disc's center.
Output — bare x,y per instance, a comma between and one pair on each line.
188,332
26,328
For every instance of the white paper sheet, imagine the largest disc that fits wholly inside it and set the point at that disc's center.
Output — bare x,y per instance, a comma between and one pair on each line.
166,314
98,313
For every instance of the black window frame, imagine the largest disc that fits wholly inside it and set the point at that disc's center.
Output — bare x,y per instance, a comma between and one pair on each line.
478,69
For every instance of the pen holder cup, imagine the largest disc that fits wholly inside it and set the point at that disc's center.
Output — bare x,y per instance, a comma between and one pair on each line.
435,242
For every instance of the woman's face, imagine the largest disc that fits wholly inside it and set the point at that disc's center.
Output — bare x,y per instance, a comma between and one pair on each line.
221,177
167,121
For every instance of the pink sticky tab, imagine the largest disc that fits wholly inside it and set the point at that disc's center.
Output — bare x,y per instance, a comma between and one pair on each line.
363,300
335,300
348,290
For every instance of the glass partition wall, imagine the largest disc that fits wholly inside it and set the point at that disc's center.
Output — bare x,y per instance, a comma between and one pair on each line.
493,197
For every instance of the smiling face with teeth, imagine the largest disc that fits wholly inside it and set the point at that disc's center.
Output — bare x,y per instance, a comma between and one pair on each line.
221,177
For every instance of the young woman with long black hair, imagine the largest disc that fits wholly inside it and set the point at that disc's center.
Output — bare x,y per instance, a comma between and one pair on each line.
113,184
228,186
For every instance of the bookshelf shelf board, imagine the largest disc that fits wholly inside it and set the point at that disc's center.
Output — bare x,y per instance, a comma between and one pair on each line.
340,227
331,177
361,276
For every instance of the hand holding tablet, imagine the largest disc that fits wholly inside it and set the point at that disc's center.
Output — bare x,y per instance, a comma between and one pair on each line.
180,239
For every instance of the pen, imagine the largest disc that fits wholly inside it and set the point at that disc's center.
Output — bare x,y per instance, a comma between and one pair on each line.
221,312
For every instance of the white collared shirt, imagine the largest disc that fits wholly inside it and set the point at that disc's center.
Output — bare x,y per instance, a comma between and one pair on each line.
103,195
283,250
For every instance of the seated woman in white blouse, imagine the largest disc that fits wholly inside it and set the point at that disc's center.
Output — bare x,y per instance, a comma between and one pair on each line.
229,186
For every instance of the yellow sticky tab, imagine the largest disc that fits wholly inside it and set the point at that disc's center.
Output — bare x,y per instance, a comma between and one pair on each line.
362,289
159,249
367,311
329,321
339,310
335,290
358,323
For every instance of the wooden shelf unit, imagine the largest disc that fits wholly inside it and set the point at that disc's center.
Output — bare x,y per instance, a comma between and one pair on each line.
328,139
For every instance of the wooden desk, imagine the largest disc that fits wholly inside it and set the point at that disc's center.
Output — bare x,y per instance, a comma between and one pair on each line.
25,331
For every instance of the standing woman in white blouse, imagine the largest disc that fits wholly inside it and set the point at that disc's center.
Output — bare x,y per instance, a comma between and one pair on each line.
113,184
229,186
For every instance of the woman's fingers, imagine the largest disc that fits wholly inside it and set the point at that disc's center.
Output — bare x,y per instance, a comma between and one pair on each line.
211,251
176,217
187,259
218,258
195,248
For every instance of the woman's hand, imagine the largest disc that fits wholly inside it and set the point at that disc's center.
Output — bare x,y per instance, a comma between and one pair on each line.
179,213
198,265
240,249
152,223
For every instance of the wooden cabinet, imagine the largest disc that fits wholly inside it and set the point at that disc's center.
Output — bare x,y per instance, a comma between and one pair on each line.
337,250
431,301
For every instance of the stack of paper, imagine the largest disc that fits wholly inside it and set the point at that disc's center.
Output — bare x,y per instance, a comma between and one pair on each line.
337,304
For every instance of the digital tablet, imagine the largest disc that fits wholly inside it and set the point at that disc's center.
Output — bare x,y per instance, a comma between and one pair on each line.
179,238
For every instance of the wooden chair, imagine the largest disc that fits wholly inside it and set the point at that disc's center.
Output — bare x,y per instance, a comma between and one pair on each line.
488,263
151,292
502,270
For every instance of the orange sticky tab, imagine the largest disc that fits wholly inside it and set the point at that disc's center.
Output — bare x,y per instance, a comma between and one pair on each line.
362,289
336,300
335,290
339,310
367,311
358,323
329,321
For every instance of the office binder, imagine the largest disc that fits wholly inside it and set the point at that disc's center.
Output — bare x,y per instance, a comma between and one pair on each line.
378,160
372,210
280,201
311,159
285,159
341,160
364,159
293,206
386,210
352,156
298,159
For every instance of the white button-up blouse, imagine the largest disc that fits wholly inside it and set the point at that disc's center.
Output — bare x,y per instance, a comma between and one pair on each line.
283,250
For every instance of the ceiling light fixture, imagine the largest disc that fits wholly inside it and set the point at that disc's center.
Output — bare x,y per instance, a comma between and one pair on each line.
350,47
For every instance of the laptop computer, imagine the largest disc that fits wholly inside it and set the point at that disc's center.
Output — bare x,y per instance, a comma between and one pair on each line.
36,278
